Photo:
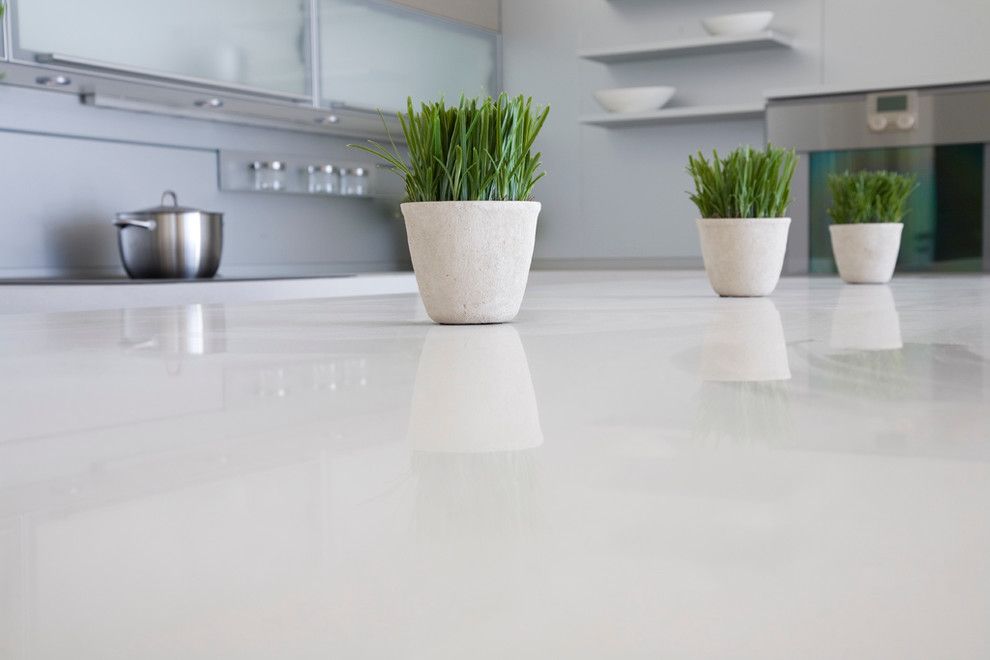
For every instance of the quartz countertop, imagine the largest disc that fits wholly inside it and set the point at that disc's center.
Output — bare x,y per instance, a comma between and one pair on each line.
67,294
633,469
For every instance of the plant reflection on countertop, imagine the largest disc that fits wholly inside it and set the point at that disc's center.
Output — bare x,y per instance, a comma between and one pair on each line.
742,199
469,213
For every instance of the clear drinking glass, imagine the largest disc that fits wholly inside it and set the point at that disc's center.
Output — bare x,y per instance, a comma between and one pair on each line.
268,175
323,179
354,181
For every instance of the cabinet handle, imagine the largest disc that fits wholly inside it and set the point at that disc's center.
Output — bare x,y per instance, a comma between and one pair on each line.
110,67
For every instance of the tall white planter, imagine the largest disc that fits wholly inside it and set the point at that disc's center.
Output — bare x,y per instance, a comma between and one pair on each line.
743,256
866,253
471,259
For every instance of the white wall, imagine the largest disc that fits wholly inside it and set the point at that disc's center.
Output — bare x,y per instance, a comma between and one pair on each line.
615,197
893,41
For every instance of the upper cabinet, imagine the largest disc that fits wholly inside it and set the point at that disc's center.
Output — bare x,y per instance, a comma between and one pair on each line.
252,45
262,62
375,54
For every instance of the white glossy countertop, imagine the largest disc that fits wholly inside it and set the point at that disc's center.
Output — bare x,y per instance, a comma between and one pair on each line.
65,295
633,469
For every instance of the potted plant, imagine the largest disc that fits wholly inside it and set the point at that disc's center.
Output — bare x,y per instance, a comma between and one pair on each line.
742,199
867,209
469,213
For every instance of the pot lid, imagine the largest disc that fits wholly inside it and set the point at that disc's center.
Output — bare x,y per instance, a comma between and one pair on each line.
170,204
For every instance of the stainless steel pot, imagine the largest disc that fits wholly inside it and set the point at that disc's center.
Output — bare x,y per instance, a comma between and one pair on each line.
170,241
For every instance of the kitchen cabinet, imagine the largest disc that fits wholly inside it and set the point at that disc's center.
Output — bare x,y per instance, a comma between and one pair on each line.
255,62
374,55
258,45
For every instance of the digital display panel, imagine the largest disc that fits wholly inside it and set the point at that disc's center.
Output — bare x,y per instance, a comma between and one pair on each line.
892,103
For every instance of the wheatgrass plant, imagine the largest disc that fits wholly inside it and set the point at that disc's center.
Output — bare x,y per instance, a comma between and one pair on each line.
479,150
748,183
860,197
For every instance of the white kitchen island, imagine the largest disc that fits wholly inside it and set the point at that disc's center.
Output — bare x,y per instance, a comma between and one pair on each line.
633,469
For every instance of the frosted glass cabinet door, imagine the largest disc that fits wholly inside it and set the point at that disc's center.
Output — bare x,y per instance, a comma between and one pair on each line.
374,55
261,44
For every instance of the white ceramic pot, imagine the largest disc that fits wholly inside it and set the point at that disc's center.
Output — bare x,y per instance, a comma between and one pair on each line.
471,259
743,256
866,253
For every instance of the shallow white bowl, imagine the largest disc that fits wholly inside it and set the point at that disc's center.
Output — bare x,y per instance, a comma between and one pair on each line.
744,23
634,99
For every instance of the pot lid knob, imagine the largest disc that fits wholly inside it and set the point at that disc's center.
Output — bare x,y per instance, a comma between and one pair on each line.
170,194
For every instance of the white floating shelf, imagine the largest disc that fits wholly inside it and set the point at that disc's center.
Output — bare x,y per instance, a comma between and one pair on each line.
693,46
676,115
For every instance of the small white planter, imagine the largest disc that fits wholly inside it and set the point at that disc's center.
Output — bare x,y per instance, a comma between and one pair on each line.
471,259
743,256
866,253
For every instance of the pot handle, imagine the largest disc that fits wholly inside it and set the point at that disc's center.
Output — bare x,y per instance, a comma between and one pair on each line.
132,222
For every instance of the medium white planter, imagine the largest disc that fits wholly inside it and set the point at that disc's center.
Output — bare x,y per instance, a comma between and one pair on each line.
743,256
471,259
866,253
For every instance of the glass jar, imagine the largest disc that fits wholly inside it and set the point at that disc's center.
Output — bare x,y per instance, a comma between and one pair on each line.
323,179
268,175
354,180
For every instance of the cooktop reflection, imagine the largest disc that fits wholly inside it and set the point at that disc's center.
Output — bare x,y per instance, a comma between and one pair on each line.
123,279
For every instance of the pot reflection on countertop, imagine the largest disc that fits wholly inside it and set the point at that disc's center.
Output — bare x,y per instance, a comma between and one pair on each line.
473,427
744,371
744,342
185,330
866,319
473,393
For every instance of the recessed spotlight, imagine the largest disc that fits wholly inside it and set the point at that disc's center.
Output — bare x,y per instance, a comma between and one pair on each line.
329,119
53,81
208,103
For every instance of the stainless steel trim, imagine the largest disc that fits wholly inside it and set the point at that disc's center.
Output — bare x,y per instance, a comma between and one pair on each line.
82,62
315,62
986,208
947,115
797,260
252,113
5,33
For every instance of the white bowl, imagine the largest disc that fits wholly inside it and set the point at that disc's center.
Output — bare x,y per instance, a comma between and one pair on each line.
634,99
744,23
